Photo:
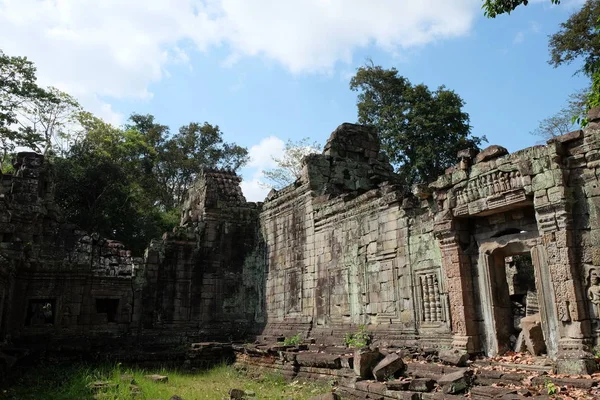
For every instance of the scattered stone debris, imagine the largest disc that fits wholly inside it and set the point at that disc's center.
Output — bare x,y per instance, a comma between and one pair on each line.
158,378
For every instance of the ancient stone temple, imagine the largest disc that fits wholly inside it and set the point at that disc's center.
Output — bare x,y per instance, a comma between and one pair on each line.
500,253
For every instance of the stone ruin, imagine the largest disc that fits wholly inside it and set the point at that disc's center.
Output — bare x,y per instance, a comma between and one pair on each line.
500,253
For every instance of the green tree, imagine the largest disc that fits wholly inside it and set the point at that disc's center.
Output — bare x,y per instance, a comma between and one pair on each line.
174,161
289,166
421,130
100,188
579,39
18,85
493,8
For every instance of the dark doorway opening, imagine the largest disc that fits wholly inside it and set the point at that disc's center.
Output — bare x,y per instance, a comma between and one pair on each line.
108,307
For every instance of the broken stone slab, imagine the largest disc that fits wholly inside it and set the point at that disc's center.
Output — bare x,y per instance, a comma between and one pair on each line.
490,392
101,386
454,357
388,367
580,383
127,378
398,384
364,362
421,385
454,382
532,334
490,152
158,378
319,360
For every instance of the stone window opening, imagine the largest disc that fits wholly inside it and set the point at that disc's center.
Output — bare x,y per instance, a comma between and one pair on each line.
108,307
40,312
509,231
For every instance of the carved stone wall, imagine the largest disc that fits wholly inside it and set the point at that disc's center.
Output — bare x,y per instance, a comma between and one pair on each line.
345,245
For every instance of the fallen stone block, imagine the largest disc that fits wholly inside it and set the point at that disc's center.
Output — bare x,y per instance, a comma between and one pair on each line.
175,397
533,335
490,392
364,362
398,384
421,385
320,360
454,357
237,394
388,367
158,378
101,386
454,382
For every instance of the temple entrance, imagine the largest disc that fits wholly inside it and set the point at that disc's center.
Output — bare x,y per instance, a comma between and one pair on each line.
514,315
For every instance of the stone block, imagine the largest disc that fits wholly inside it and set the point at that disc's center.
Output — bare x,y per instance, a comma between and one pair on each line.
157,378
533,335
364,362
454,382
454,357
421,385
391,365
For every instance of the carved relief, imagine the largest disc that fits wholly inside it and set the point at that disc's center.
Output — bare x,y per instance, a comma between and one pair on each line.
489,185
593,291
431,301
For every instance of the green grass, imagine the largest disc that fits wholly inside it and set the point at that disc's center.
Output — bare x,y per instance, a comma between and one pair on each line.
62,382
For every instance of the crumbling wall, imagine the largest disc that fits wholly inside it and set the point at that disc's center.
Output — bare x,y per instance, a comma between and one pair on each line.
348,246
206,278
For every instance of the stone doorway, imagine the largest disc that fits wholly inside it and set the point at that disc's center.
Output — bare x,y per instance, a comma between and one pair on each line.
513,303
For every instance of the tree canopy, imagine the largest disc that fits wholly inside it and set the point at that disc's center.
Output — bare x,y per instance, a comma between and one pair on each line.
421,130
289,166
493,8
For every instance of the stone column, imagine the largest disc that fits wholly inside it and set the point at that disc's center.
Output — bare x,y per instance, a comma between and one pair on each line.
555,225
456,268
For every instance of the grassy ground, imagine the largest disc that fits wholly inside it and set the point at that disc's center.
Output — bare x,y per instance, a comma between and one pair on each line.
72,383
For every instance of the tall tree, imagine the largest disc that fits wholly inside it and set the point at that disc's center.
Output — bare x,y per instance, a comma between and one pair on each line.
18,85
289,166
49,126
421,130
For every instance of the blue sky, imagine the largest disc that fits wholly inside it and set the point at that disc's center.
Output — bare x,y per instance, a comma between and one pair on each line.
268,71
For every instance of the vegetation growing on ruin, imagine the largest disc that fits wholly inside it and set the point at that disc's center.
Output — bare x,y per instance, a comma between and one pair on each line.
358,339
292,341
63,382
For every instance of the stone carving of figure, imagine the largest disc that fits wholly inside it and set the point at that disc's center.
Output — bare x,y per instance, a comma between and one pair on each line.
593,292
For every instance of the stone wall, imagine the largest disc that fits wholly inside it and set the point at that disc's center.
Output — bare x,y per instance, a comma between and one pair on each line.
345,245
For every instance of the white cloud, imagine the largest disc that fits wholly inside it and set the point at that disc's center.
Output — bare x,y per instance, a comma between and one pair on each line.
254,190
261,158
519,37
261,155
113,48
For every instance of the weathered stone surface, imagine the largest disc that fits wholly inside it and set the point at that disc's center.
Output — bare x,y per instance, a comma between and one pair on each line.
533,335
421,385
322,360
490,153
157,378
364,362
391,365
454,382
454,357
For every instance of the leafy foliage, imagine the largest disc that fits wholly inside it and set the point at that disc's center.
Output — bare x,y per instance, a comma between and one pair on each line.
358,339
17,86
493,8
421,130
292,341
289,166
127,184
